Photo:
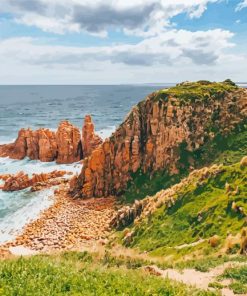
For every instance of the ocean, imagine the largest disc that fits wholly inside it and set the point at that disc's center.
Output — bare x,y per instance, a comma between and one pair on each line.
46,106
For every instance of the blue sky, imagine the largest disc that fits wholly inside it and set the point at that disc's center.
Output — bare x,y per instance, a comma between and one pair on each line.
116,41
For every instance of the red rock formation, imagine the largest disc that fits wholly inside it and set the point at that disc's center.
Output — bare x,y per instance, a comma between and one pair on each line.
4,177
90,140
40,144
151,137
17,182
21,180
68,139
64,146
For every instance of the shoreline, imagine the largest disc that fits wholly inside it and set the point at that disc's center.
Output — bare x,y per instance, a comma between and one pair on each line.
68,224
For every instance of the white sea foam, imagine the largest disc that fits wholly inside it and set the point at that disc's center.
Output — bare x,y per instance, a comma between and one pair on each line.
106,133
6,141
11,166
21,208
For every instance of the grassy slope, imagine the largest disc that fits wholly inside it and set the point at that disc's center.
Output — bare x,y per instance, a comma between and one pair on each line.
77,274
170,227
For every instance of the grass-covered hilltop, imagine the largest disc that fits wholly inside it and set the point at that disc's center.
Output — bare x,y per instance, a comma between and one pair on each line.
176,171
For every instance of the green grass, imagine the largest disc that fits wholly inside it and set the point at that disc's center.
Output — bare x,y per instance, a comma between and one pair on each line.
142,184
239,277
206,263
179,224
224,150
203,264
216,285
190,92
78,274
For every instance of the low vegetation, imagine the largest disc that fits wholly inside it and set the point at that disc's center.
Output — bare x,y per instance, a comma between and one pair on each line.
238,275
78,274
203,209
189,92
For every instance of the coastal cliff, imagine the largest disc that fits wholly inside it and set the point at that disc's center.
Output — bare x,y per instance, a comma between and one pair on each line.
162,133
65,145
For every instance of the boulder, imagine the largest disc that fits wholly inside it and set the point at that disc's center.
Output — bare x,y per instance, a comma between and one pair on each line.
243,161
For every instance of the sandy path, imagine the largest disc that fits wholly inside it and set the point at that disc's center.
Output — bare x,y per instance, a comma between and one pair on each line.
196,278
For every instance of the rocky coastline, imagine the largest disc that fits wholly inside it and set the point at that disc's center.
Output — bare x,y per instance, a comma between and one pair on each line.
150,139
68,224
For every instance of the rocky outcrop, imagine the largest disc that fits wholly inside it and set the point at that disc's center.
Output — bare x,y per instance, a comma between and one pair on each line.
127,215
68,140
64,146
153,137
21,180
40,144
90,140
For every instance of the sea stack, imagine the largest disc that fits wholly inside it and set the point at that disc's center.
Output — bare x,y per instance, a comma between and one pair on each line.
90,140
63,146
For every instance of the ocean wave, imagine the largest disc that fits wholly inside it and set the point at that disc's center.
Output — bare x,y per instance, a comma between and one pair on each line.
106,132
12,166
19,208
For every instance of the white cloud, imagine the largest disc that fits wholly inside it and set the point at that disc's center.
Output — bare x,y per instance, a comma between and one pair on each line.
241,5
169,54
98,16
201,47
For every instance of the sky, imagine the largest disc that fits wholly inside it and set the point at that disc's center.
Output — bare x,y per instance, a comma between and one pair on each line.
122,41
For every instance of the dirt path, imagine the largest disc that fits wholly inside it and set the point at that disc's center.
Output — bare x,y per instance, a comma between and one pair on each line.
196,278
189,245
68,224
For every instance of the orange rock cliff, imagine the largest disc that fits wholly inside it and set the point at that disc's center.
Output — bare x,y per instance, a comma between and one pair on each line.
64,146
90,140
150,138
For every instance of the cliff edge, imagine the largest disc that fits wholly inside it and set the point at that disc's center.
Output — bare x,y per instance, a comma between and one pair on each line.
159,131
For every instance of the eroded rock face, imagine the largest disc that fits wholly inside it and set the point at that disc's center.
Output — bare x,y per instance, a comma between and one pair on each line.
21,180
64,146
151,137
40,144
90,140
68,140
